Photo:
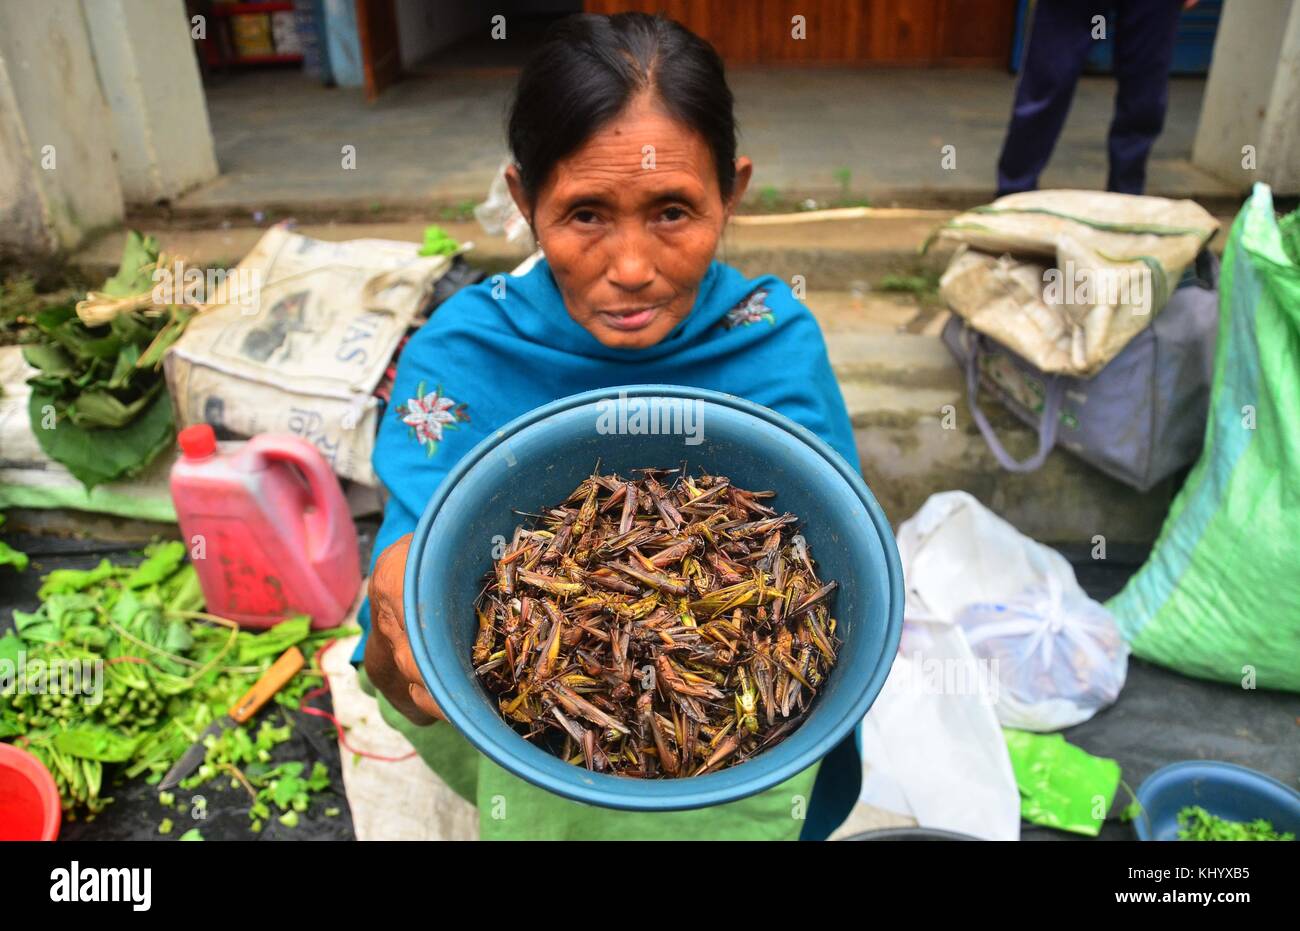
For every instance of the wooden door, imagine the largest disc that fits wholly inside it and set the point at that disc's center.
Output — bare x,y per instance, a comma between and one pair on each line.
952,33
381,58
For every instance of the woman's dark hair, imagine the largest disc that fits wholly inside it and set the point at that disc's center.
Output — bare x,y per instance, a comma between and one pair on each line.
588,69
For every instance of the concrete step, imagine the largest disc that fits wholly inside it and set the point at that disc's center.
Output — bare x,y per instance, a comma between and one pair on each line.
834,252
906,397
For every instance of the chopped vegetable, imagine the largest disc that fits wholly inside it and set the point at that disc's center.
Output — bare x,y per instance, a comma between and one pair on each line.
142,674
437,241
1195,823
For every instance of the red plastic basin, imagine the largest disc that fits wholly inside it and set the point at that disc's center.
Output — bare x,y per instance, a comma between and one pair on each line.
29,800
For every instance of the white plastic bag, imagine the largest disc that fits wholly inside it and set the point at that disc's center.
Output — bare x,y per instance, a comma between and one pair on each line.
498,214
932,744
1057,656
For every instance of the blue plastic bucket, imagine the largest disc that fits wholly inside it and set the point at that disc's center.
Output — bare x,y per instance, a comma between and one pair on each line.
1231,792
538,459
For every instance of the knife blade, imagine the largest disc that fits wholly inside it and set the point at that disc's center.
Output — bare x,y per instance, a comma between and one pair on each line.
270,682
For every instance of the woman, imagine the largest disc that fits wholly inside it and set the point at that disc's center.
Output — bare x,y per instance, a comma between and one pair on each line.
625,165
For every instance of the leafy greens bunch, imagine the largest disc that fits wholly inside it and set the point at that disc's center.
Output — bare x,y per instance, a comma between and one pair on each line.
165,672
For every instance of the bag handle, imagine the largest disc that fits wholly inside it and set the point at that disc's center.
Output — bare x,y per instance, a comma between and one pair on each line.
1047,424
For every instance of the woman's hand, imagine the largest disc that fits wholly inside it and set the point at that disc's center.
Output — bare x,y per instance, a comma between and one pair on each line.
389,661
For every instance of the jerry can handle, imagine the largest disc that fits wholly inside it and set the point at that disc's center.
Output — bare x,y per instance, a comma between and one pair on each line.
327,496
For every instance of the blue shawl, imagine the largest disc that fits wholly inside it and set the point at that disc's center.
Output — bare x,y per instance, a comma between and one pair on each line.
483,360
498,349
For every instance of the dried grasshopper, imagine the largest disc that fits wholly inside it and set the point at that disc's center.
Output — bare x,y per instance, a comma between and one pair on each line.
656,626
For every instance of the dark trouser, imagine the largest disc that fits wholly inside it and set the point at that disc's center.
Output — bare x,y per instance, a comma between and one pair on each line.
1143,31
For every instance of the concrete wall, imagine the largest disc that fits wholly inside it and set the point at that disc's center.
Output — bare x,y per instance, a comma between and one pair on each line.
1252,97
22,213
1281,134
58,177
148,68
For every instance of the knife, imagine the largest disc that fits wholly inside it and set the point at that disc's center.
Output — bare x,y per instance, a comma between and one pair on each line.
274,679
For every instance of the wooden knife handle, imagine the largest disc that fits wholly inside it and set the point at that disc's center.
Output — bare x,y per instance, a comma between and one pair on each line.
274,679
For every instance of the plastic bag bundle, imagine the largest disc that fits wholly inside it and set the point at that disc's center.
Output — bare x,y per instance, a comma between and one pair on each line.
1056,654
1053,654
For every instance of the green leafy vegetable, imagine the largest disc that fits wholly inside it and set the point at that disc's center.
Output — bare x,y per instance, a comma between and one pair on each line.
99,403
1195,823
437,241
164,675
10,556
95,742
96,457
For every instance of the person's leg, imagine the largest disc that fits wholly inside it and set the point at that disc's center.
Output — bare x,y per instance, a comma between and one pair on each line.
1058,44
1144,49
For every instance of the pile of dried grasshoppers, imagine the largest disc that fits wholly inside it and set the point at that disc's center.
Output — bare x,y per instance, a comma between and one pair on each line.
657,627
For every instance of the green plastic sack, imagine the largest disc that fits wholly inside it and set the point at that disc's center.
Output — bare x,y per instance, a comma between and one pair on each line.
1061,786
1220,596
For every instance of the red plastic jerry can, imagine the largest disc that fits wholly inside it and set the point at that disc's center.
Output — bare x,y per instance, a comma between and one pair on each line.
267,528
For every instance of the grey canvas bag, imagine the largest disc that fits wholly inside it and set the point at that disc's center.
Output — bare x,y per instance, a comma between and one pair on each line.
1140,419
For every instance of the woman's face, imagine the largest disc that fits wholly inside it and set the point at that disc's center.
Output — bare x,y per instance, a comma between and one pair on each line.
630,222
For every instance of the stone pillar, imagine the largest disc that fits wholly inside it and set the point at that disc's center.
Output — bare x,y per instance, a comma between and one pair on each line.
58,178
147,64
1252,97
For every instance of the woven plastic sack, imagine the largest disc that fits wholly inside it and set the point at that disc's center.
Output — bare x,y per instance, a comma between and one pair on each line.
1220,596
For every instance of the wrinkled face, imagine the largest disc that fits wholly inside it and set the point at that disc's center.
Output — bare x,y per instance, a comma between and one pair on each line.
630,222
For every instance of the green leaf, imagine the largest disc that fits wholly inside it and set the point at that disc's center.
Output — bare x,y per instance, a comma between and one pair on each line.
51,318
62,581
284,789
85,343
134,329
12,557
437,241
134,274
36,627
124,368
191,834
160,562
275,641
168,335
101,409
99,456
96,742
50,358
10,646
320,777
183,592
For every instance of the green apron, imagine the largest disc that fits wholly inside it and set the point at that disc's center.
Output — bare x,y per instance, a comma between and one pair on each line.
511,809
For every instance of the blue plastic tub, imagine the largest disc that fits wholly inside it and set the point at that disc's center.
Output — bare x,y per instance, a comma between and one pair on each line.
538,459
1232,792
